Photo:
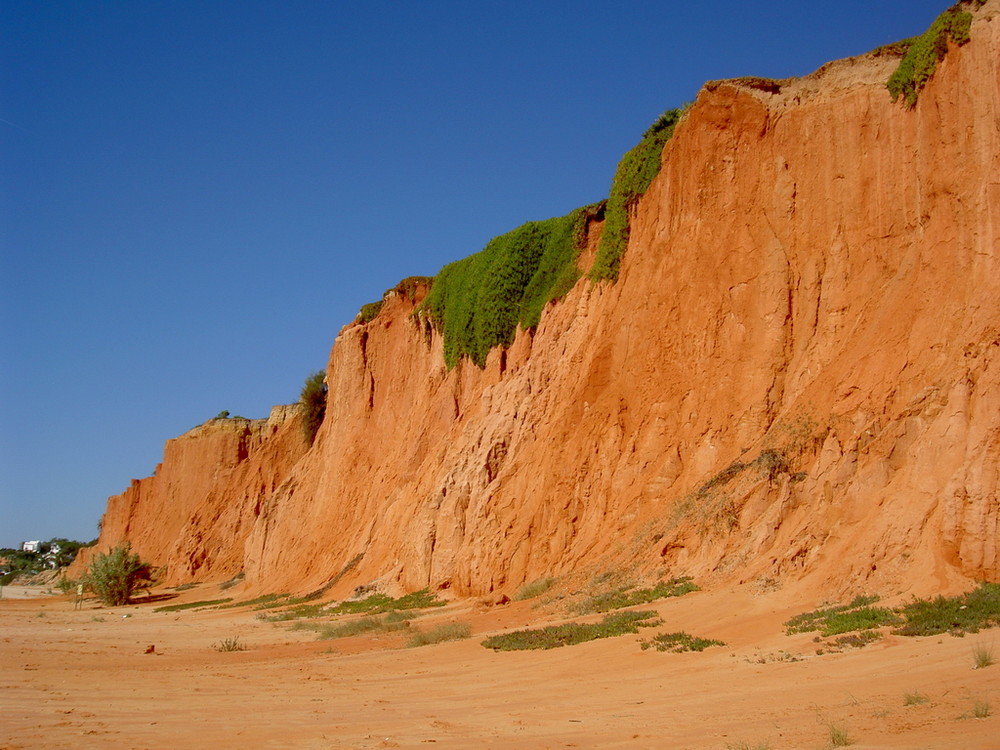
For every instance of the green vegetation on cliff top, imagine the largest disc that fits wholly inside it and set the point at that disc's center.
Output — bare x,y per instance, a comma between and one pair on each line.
477,303
924,52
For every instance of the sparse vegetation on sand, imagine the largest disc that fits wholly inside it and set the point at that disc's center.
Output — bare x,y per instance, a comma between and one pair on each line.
679,642
380,603
629,596
965,613
958,615
572,633
192,605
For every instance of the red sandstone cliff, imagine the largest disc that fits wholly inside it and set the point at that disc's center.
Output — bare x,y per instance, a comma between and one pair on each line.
795,377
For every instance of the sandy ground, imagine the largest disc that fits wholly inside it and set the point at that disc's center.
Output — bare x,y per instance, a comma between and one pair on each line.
82,679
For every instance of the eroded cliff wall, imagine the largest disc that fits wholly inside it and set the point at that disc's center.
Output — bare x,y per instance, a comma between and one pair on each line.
795,377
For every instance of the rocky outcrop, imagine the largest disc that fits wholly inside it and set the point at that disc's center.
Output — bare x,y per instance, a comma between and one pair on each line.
190,518
795,378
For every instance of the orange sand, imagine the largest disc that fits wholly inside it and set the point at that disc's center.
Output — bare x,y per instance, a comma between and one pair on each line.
81,679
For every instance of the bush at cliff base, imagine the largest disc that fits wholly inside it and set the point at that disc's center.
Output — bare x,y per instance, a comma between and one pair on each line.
114,576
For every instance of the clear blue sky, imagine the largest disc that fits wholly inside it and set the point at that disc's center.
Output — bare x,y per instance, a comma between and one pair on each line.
197,196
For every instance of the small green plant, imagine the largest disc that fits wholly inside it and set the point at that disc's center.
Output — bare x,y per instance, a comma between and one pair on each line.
679,642
572,633
749,746
313,400
191,605
447,632
924,52
533,589
839,736
982,656
114,576
628,596
914,699
229,644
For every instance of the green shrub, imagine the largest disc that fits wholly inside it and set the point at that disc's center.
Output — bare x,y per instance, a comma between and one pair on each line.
572,633
313,400
114,576
635,172
925,51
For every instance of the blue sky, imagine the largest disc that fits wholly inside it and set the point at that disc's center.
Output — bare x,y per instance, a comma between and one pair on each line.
196,197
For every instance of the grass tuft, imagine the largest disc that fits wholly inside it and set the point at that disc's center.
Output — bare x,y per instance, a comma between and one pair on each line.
982,656
229,644
839,736
914,699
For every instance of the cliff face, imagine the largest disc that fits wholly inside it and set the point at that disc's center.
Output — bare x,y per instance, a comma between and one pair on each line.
795,377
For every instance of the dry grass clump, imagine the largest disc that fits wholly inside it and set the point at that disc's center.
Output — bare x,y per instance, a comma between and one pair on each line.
982,656
839,736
